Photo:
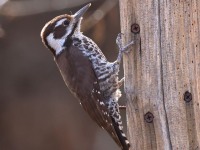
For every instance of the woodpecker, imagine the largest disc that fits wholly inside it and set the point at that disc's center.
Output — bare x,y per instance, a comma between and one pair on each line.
87,72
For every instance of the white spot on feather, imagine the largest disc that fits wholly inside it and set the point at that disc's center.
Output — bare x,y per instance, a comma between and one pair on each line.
120,127
101,103
127,142
123,135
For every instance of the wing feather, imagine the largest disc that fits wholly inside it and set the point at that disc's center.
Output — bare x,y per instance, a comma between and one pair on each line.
78,74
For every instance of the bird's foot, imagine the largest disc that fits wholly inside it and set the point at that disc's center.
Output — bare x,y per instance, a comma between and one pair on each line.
122,49
121,82
119,43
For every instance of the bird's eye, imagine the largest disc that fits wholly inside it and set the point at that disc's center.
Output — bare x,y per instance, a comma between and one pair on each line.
66,23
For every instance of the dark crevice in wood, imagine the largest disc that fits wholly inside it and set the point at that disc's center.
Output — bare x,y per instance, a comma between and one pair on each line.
161,72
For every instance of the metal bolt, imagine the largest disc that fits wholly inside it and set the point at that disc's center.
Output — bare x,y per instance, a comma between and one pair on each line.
135,28
187,97
148,117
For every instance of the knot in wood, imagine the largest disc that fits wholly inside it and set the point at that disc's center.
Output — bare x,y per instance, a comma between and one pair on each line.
148,117
135,28
187,97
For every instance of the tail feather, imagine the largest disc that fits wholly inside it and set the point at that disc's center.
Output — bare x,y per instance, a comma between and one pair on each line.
122,137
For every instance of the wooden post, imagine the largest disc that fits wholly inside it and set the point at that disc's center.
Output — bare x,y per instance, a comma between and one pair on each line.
162,74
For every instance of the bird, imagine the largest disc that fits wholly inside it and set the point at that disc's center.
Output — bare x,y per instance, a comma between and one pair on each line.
91,78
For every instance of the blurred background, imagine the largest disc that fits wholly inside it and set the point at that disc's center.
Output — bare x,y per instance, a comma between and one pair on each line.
37,111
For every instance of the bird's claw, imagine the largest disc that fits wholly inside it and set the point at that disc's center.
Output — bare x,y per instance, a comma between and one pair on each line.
121,48
119,43
119,40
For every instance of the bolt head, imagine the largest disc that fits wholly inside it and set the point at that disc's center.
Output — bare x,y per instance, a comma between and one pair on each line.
148,117
135,28
187,96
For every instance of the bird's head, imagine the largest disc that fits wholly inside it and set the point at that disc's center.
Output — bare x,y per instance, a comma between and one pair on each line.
56,32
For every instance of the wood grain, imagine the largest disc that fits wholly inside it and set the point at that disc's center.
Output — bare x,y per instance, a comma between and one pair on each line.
163,65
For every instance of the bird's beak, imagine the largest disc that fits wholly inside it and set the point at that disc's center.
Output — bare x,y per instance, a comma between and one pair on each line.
81,12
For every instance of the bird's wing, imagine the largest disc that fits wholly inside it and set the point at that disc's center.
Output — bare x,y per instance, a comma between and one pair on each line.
78,74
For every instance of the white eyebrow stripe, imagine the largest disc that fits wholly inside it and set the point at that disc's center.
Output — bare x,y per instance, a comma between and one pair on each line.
60,22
